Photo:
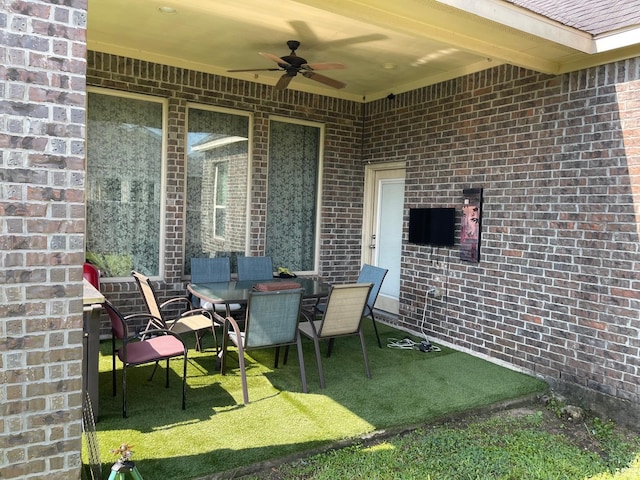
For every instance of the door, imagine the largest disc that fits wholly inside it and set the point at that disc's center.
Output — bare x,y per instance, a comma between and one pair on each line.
382,227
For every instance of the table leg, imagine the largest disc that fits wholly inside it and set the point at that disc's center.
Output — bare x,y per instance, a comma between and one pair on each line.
91,352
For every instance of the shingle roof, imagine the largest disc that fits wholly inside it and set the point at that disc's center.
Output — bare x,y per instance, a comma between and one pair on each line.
592,16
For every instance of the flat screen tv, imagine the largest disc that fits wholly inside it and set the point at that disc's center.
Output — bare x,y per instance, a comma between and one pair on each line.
432,226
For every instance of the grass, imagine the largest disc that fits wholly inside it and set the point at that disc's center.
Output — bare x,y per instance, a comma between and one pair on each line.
502,447
217,433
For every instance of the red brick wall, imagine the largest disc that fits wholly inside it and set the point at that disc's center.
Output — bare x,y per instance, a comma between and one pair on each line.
557,289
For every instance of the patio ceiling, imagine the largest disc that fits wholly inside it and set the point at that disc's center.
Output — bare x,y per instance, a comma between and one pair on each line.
388,47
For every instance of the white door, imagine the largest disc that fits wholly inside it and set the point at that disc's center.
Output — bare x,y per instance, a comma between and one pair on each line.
382,227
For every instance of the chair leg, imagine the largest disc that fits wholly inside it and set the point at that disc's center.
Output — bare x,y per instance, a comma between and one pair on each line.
184,382
166,382
215,337
243,375
113,372
364,354
124,391
330,346
154,371
316,345
277,357
375,327
222,356
303,374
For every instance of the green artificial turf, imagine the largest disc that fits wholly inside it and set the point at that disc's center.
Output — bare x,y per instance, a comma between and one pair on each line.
218,433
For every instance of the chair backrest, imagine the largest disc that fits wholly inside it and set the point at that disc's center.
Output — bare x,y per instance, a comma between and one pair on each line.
148,294
91,273
272,318
210,270
118,324
255,268
375,276
119,327
344,310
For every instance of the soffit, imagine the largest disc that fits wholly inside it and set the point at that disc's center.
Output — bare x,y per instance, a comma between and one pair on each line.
387,47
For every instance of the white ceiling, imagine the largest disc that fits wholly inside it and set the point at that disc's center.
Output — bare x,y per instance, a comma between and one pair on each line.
388,46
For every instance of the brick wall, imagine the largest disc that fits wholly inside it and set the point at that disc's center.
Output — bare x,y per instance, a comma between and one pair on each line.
42,98
557,289
342,177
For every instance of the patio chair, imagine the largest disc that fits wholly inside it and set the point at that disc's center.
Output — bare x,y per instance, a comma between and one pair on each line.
156,344
91,273
212,270
255,268
375,276
342,317
197,320
271,321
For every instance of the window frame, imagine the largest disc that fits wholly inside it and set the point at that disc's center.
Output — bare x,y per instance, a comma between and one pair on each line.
163,170
218,206
250,124
318,220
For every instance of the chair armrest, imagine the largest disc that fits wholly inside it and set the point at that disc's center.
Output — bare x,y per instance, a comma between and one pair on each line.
176,300
236,328
152,323
309,316
225,338
217,317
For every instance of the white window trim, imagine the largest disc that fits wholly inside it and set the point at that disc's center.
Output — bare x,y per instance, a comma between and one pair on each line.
321,127
163,171
230,111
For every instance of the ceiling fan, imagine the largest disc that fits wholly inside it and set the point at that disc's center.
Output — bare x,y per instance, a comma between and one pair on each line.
292,65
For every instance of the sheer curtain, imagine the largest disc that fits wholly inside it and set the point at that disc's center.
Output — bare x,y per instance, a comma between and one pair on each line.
124,184
294,158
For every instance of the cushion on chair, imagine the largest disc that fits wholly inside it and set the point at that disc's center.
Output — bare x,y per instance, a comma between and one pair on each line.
273,286
161,346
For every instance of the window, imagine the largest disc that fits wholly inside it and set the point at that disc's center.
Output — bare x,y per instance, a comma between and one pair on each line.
217,179
292,197
125,145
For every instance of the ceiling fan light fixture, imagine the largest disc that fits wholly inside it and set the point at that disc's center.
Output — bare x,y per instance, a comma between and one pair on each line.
167,10
389,66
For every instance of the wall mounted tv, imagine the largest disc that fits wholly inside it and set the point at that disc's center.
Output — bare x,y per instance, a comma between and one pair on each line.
432,226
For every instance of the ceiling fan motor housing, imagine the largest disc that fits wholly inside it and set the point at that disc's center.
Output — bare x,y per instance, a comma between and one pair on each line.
293,45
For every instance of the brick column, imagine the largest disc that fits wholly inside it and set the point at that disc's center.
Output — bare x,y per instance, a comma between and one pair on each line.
42,130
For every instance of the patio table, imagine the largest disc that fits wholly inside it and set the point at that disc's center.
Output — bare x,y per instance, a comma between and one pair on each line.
238,291
227,293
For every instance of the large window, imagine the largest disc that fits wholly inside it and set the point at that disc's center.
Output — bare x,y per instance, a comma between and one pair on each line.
217,184
292,197
125,138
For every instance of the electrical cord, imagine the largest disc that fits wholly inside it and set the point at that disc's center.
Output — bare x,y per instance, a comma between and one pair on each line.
407,344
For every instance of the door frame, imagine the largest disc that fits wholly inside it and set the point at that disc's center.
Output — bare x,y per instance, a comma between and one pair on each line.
370,206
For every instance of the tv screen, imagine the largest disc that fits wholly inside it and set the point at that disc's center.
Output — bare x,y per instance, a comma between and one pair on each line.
432,226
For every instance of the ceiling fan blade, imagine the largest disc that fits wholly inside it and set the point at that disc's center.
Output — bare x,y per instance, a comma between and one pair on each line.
257,70
324,66
273,58
322,79
283,82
